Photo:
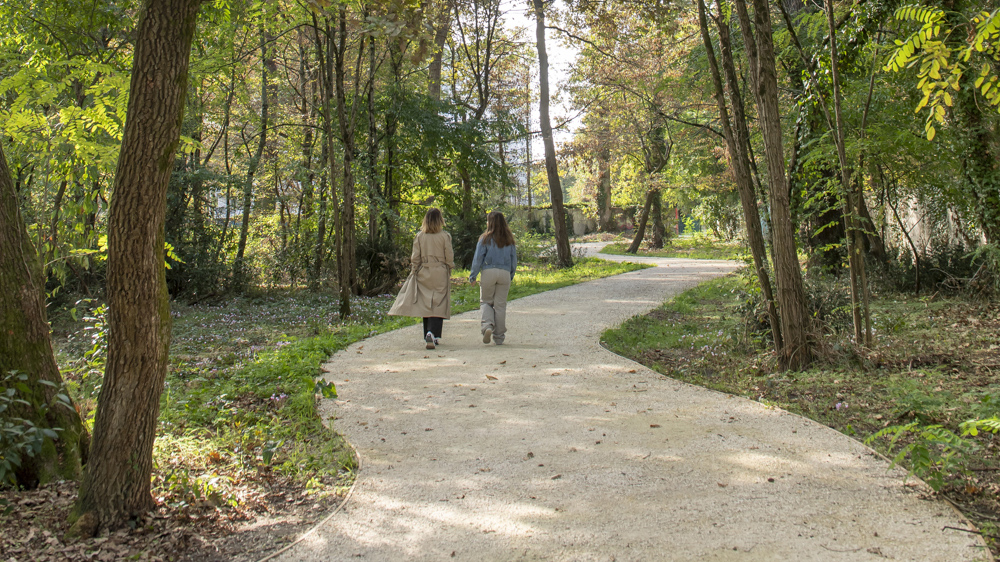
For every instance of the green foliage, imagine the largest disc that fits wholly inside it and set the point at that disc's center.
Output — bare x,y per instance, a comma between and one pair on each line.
20,438
973,427
943,62
934,452
912,400
700,247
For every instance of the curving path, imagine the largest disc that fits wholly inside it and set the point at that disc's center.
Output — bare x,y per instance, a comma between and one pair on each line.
552,448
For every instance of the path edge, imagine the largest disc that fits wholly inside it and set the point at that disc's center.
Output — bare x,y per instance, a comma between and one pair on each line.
338,509
973,529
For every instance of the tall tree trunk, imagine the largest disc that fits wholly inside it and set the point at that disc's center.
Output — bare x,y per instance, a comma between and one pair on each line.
737,141
855,241
27,349
604,209
347,123
254,164
325,55
442,29
797,352
657,214
372,159
53,239
389,198
116,485
640,229
564,256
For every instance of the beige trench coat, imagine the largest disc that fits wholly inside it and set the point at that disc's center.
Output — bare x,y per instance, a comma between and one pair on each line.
427,291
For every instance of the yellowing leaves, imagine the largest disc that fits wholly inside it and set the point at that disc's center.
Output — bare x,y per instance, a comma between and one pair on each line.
937,58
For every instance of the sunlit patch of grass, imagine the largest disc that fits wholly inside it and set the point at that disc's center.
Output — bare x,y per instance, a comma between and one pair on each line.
696,247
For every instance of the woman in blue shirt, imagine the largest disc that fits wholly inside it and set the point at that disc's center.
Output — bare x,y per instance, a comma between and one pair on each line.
496,258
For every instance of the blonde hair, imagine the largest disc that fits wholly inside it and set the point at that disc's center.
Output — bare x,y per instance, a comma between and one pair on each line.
433,221
497,230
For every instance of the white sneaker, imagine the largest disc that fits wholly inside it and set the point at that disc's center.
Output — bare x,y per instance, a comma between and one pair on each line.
429,338
487,335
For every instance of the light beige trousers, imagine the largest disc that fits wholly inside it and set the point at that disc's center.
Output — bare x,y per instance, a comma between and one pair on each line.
494,286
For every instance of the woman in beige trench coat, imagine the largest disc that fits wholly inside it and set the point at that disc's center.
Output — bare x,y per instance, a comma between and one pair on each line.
427,291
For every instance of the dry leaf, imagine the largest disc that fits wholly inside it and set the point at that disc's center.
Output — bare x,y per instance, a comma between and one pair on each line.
492,378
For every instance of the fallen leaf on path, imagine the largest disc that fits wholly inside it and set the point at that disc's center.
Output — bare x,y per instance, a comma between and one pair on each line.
492,378
503,362
631,370
654,425
722,484
557,477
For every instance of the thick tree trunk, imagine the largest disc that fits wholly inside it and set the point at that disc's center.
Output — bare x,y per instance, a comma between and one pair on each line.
26,348
640,229
737,140
795,328
116,486
564,256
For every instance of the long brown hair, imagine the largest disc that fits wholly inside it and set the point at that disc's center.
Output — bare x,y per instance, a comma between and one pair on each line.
433,221
497,230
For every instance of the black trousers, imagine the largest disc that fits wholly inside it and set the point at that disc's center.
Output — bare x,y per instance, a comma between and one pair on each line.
434,326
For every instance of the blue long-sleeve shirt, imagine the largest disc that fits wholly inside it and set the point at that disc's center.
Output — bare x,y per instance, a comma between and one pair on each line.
488,256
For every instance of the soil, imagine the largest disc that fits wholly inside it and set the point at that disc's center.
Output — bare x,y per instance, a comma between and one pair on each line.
34,525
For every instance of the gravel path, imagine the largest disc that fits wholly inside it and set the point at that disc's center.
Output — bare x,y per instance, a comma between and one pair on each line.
552,448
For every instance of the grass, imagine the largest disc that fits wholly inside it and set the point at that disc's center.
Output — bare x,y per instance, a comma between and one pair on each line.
932,366
691,247
238,414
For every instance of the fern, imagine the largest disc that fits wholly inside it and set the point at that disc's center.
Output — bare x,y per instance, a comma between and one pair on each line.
934,454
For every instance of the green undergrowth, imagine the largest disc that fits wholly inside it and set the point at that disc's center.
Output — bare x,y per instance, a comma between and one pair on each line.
696,247
931,369
239,406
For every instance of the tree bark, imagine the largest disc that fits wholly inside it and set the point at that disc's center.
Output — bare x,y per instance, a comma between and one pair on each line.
27,349
564,256
604,209
640,229
116,485
738,140
657,215
855,243
441,31
345,223
795,329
